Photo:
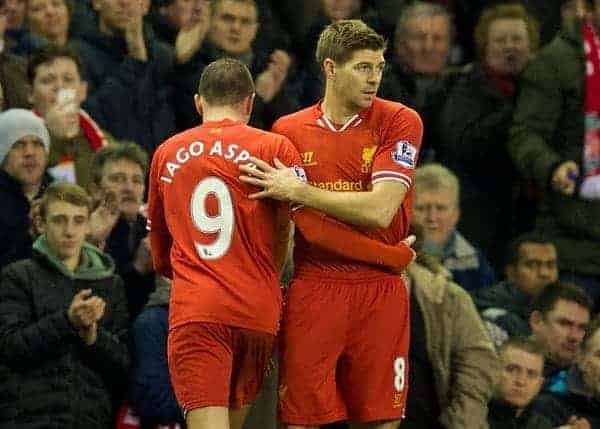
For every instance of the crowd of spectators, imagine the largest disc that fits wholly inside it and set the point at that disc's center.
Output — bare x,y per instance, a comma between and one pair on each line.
506,287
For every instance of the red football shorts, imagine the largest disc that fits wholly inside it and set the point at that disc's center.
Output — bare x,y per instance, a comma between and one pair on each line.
217,365
344,351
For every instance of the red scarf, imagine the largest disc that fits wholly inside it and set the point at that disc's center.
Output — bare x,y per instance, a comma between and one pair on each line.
92,132
590,186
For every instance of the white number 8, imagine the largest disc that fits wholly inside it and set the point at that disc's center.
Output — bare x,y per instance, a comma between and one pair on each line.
399,368
222,223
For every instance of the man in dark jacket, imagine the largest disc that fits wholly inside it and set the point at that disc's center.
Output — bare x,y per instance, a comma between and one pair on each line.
126,69
531,266
63,319
560,315
234,26
24,145
520,382
575,395
546,143
119,228
474,124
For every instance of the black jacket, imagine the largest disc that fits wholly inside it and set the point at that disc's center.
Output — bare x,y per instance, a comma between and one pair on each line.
50,378
128,98
503,416
15,239
186,77
473,126
506,307
569,398
121,245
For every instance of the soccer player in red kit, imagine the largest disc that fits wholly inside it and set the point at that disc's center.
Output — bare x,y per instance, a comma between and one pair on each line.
345,330
224,251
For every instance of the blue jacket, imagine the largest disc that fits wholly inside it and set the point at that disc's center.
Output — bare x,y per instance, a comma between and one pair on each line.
151,393
469,267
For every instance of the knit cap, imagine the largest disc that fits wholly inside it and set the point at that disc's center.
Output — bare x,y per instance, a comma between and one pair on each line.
18,123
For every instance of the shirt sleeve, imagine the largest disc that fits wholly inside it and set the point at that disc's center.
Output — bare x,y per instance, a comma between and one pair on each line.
160,237
286,153
397,156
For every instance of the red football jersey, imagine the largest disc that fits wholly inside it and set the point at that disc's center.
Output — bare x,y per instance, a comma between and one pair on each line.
380,143
220,242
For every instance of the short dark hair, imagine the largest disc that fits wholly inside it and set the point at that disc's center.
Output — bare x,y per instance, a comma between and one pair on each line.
67,192
341,39
546,300
114,152
525,344
225,82
49,54
514,247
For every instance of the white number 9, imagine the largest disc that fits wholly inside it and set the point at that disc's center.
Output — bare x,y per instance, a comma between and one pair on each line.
222,223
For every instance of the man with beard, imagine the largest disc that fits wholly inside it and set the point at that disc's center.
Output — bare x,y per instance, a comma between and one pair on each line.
24,144
117,224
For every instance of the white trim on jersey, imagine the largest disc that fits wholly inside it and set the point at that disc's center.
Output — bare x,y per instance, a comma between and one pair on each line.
389,173
344,127
390,178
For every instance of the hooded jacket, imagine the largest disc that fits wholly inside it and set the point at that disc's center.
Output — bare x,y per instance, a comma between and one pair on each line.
50,378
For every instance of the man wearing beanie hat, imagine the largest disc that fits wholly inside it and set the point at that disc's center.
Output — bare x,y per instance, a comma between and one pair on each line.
24,145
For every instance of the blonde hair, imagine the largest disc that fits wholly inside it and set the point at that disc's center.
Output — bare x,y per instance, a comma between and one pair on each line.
435,177
505,11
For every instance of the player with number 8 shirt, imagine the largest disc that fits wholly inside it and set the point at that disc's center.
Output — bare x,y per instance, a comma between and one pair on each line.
224,251
359,152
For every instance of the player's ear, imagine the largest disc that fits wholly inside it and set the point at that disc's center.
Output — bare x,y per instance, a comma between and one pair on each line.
198,103
249,104
329,67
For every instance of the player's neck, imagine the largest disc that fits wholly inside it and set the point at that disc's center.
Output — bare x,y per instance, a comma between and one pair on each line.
223,113
336,111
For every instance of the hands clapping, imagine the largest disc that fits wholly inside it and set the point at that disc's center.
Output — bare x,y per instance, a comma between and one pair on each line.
84,313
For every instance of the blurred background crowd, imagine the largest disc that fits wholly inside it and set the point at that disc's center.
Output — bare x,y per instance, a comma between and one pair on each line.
506,287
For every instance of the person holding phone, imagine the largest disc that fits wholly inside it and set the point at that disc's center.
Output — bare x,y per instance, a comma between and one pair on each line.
57,92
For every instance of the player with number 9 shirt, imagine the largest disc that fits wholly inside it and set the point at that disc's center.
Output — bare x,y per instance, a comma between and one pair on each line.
224,251
218,246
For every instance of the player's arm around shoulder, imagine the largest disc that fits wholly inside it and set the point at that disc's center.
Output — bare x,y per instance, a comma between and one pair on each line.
393,168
